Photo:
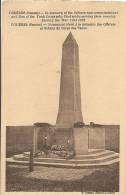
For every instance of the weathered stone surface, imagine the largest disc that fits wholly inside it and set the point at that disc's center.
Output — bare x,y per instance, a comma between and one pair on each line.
80,140
97,137
70,95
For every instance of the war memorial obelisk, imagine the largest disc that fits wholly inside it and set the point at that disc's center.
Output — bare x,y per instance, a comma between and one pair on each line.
70,94
70,98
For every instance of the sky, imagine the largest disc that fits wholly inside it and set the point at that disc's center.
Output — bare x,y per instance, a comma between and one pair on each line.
31,74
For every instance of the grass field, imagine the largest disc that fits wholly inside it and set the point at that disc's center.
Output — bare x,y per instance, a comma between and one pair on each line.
18,178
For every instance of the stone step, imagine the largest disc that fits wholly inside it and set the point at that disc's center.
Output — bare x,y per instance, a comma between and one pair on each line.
90,155
94,156
98,158
109,157
91,161
70,165
95,151
90,151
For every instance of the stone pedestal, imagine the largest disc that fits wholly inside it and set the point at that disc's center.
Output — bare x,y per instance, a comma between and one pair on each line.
64,137
96,138
80,140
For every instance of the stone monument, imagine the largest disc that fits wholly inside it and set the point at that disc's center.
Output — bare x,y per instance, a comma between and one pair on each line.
70,98
85,142
66,133
70,104
70,93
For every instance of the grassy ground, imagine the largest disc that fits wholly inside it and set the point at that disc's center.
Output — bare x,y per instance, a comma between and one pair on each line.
18,178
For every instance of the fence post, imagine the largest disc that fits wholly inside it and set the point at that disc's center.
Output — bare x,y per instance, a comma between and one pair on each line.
31,161
32,152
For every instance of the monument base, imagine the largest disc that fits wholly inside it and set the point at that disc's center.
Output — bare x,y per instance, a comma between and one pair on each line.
77,139
80,140
64,137
96,137
94,159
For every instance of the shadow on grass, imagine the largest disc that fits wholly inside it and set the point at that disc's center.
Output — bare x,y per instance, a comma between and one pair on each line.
102,180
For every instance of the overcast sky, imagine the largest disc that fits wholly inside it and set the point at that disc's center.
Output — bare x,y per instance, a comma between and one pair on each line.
32,64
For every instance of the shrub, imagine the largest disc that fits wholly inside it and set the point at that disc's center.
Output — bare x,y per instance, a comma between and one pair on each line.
79,124
37,124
